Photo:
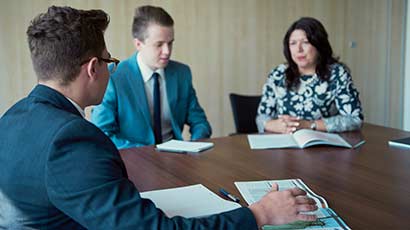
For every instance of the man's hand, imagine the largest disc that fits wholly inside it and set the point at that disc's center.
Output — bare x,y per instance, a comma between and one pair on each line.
282,207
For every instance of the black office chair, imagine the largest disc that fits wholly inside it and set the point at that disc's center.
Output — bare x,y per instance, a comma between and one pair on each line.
244,110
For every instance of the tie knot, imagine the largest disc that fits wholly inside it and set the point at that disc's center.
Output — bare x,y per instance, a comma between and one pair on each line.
155,75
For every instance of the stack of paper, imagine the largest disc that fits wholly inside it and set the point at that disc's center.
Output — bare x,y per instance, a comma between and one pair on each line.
189,201
184,146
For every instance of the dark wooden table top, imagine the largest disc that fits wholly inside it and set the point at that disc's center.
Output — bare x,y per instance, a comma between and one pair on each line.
369,187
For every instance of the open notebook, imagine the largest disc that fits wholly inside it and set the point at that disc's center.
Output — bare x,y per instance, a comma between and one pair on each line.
253,191
300,139
189,201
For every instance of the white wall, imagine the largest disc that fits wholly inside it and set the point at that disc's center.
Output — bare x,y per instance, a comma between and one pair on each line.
406,113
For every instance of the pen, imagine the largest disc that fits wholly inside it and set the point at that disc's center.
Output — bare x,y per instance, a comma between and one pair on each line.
359,144
228,195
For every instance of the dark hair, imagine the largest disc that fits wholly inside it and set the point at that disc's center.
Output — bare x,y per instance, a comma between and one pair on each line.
62,38
145,15
317,36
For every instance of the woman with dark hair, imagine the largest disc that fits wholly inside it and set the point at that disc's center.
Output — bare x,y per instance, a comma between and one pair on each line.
313,91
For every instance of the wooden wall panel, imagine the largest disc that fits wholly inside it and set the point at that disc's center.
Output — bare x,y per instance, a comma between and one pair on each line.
376,27
366,26
395,74
231,46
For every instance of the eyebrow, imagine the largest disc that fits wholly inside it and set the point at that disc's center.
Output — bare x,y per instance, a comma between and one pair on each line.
162,41
301,39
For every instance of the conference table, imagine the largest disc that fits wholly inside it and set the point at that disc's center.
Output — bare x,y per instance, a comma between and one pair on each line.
369,187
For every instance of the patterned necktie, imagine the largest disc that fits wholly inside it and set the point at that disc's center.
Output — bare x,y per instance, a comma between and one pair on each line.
157,110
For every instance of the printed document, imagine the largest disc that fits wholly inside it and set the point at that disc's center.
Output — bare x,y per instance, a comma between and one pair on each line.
253,191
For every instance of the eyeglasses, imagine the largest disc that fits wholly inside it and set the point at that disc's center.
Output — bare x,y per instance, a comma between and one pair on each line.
112,68
110,60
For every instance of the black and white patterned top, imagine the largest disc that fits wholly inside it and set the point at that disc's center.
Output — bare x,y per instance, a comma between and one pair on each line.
336,101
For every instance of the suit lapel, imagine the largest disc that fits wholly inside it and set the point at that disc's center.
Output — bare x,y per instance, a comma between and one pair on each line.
172,88
138,89
171,79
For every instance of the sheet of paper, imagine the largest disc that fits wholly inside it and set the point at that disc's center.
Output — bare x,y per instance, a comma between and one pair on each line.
184,146
271,141
189,201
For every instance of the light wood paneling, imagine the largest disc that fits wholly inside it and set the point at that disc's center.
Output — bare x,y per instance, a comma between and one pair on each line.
376,27
366,26
232,45
395,74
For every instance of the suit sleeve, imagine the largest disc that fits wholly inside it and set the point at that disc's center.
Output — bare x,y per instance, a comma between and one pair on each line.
86,179
196,119
105,117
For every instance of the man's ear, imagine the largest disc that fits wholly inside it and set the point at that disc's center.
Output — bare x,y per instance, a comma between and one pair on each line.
92,67
138,44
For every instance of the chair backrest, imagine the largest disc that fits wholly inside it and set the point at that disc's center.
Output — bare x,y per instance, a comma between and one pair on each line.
244,110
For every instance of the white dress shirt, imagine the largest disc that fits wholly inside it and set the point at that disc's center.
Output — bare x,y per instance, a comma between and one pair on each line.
146,73
77,107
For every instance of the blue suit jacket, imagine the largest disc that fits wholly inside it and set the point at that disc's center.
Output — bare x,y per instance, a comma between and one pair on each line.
124,112
59,171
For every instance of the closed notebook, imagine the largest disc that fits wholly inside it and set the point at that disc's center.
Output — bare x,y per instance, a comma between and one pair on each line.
184,146
403,142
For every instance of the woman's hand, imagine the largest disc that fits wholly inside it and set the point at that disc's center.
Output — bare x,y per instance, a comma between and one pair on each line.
284,124
288,124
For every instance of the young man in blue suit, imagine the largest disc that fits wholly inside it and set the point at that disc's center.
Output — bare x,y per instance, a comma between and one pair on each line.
127,112
59,171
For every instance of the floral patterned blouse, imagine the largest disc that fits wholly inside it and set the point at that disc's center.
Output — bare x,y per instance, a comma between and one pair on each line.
336,100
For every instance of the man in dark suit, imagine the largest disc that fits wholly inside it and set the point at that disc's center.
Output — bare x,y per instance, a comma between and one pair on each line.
59,171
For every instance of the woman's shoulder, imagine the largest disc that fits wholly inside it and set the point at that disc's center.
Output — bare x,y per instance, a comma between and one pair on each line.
278,71
281,67
339,67
340,72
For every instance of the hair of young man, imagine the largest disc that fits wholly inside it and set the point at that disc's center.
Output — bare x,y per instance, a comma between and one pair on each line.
317,36
146,15
61,39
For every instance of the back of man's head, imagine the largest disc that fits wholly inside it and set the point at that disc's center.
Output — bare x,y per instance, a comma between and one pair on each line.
61,39
146,15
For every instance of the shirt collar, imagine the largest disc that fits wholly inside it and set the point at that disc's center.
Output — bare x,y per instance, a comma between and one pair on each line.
77,107
146,71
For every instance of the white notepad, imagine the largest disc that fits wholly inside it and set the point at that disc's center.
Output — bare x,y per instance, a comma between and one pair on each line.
184,146
189,201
